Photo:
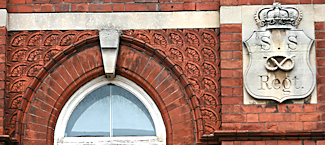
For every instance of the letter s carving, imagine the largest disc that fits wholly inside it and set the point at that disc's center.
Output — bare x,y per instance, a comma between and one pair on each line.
293,42
266,42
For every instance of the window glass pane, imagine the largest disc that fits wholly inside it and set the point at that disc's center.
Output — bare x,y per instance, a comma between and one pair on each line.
92,115
130,116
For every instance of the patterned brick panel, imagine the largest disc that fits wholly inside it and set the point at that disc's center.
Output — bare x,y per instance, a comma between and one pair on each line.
165,88
196,53
46,67
28,6
27,53
53,87
68,72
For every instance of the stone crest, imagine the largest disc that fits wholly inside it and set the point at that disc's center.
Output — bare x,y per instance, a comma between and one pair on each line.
279,66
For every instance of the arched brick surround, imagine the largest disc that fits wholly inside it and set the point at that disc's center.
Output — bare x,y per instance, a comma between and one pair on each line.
81,62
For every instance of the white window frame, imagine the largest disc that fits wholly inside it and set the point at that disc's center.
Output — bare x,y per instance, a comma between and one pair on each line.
130,86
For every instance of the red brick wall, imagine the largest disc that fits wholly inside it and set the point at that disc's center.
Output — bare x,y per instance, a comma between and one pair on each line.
25,58
28,6
234,114
3,4
165,87
320,63
231,77
179,69
3,41
196,53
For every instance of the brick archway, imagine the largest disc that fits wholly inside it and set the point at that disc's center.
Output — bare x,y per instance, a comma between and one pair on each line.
81,62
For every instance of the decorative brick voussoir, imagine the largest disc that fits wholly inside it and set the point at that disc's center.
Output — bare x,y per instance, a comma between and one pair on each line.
194,53
148,68
161,64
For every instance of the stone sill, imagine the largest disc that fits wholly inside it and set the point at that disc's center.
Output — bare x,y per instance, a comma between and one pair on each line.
255,135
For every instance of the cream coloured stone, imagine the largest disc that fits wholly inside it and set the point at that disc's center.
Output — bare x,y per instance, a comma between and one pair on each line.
230,14
279,67
319,10
109,38
3,18
120,21
109,44
248,28
249,24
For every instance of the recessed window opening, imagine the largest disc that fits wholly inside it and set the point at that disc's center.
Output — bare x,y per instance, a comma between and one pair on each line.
110,111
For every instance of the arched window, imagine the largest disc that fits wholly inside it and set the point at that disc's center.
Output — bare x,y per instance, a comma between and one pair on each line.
107,111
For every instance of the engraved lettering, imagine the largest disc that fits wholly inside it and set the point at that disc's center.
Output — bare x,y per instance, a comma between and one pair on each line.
276,84
286,83
265,80
292,42
266,42
295,79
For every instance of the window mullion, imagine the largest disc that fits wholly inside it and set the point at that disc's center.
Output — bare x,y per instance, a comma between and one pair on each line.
111,111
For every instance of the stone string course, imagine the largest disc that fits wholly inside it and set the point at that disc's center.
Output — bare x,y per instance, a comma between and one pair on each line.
28,6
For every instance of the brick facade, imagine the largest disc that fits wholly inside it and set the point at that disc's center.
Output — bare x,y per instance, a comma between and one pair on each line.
194,76
47,67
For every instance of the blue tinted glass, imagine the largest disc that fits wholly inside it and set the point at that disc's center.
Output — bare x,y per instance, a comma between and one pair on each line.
92,115
130,116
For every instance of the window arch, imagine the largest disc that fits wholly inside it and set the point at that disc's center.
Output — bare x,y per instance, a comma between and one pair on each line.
135,97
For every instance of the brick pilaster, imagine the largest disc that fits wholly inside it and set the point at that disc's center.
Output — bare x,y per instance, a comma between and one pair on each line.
3,40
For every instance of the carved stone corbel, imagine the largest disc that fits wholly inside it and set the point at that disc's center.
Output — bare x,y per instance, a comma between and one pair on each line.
109,44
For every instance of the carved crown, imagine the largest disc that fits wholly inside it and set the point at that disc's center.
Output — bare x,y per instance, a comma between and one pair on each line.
278,16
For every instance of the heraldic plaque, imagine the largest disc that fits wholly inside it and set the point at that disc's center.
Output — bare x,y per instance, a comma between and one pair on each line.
279,65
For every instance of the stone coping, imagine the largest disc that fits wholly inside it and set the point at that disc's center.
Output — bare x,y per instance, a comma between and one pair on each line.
119,21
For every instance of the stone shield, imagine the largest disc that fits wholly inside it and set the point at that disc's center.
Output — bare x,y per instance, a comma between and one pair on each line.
279,67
